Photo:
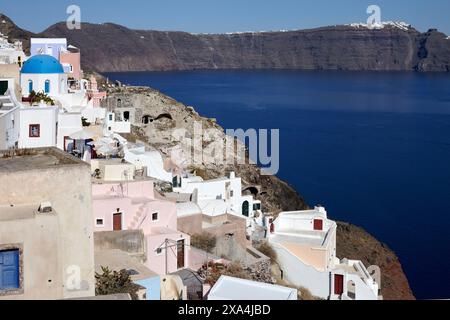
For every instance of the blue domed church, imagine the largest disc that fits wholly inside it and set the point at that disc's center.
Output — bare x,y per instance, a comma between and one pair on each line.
43,73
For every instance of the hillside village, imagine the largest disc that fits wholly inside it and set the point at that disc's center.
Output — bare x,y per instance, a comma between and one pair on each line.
92,188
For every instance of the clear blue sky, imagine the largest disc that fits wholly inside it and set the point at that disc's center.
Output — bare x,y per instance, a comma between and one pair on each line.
217,16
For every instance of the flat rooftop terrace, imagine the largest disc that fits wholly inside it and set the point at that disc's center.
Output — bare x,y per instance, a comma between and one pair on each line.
31,159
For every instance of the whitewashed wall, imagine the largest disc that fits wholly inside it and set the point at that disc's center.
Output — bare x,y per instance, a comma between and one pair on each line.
46,117
302,275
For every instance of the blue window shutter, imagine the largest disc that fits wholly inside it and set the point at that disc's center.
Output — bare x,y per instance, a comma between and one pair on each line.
9,269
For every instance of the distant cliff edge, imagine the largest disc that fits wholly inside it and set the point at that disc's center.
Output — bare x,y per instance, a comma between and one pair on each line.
113,48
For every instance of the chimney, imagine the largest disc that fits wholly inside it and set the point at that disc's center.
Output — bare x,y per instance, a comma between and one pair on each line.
320,209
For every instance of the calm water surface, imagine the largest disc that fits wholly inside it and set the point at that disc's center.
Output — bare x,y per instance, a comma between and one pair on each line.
374,148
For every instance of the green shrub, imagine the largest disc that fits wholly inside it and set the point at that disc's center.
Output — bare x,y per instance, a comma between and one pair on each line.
112,282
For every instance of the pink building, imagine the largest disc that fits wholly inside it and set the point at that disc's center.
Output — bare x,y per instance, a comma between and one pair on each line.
135,205
71,61
94,94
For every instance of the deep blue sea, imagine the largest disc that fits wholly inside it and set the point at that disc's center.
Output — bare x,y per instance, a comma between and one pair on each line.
374,148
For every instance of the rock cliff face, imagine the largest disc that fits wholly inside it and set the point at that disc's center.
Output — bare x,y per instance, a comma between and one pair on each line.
110,47
164,113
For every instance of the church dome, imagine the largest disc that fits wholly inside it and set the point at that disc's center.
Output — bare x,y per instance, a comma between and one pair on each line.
42,64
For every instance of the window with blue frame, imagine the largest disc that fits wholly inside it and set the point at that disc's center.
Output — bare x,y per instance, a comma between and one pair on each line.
9,269
47,86
30,85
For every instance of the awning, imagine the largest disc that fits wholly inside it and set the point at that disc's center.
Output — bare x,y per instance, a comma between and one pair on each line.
81,135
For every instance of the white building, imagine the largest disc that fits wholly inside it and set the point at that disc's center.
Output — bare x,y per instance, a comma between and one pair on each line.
305,243
43,73
11,53
68,123
33,126
226,191
111,125
219,196
9,115
26,127
38,126
149,161
229,288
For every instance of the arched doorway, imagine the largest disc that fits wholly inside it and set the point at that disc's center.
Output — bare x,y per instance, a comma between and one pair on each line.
246,208
126,115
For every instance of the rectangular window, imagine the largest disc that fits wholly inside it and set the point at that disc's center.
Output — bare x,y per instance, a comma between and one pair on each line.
158,251
231,193
155,216
34,130
9,269
99,222
318,225
257,206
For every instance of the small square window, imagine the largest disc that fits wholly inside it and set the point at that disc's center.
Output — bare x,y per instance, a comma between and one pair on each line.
35,130
155,216
99,222
159,251
318,225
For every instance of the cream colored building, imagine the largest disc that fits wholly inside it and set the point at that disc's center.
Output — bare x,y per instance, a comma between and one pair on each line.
46,228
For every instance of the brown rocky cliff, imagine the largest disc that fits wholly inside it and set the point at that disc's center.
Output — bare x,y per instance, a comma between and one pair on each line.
355,242
110,47
113,48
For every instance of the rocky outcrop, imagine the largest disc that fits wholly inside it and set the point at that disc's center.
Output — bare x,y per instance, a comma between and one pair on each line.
164,114
110,47
275,194
353,241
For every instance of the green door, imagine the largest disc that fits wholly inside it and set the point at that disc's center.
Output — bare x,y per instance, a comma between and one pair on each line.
245,208
3,87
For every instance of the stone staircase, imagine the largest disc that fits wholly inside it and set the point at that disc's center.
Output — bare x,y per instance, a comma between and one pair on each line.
138,218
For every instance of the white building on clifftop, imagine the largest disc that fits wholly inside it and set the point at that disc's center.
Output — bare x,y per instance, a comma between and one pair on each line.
305,243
